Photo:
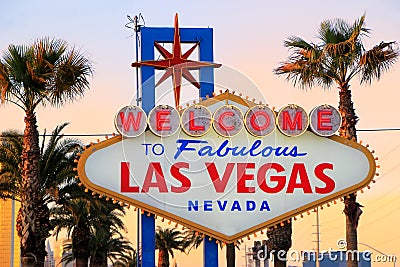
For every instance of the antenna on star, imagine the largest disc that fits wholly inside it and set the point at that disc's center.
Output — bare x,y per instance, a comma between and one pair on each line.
137,22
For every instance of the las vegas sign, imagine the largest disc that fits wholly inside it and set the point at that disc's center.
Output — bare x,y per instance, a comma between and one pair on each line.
226,167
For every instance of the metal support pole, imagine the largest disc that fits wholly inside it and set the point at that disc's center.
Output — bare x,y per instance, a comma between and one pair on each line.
210,253
138,238
318,240
136,28
148,241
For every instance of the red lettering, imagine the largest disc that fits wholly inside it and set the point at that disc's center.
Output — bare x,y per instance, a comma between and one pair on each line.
299,170
242,177
130,121
154,168
185,182
221,122
287,121
262,178
162,120
254,122
125,174
329,182
322,119
192,126
219,184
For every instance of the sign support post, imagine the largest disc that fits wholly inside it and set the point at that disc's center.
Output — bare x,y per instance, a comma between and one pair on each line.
188,35
148,241
210,252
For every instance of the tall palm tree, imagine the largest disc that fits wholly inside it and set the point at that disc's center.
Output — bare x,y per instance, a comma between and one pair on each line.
168,240
55,166
339,56
45,72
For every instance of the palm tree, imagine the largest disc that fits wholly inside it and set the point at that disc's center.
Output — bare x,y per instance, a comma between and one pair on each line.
107,241
11,146
93,224
337,59
55,166
74,216
106,245
45,72
129,260
168,240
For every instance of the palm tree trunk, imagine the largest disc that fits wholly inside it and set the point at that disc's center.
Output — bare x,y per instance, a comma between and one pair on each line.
230,255
81,262
98,262
163,258
28,224
80,244
352,209
280,260
279,243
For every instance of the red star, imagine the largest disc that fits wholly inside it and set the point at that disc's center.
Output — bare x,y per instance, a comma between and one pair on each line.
176,64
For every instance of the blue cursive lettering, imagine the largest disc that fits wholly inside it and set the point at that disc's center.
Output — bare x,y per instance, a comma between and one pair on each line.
223,150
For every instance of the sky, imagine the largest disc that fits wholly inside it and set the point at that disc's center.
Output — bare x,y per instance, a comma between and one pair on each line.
248,40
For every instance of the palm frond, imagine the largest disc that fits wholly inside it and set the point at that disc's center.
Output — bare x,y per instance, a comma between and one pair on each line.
44,72
378,60
338,57
70,79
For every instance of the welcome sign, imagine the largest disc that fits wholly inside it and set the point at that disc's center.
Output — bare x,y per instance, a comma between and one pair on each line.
200,171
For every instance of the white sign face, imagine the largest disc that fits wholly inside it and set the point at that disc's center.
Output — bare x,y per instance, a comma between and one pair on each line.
226,187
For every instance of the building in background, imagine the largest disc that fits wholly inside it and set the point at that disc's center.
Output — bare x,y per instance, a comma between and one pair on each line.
50,261
9,240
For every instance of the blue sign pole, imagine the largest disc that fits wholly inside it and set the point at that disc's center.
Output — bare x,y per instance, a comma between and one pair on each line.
148,101
210,252
148,241
204,36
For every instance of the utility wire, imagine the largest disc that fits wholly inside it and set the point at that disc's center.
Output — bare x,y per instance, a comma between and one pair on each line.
379,130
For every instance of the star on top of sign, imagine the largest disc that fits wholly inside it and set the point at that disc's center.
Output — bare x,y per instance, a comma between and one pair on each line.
176,64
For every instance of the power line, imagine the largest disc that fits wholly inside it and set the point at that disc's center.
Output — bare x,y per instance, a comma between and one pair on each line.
379,130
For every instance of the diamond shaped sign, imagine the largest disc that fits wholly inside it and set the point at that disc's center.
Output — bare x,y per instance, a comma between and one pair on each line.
226,187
